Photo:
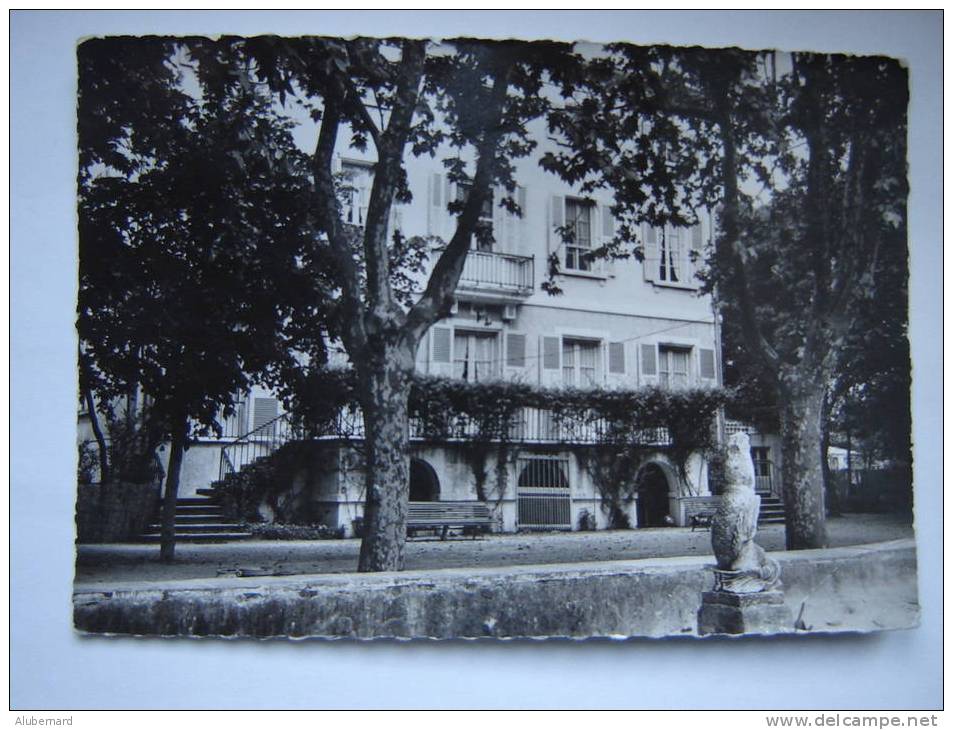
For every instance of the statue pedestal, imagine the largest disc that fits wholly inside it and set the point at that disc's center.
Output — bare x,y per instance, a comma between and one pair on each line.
744,613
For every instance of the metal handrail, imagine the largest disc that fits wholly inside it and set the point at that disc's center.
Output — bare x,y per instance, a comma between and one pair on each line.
259,442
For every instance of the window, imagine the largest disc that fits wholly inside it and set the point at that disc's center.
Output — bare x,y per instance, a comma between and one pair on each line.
761,456
482,240
580,363
670,256
673,366
579,242
475,355
358,178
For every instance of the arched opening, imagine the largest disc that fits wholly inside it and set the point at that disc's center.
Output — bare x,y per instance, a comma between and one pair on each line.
424,485
653,489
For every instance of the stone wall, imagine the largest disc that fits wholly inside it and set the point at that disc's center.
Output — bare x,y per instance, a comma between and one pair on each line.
860,588
114,512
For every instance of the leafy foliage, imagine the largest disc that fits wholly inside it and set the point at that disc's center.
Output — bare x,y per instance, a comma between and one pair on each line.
195,246
280,531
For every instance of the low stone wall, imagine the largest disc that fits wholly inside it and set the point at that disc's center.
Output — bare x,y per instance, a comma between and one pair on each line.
114,512
842,589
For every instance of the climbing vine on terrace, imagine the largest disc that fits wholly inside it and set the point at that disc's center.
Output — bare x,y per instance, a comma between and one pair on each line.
503,413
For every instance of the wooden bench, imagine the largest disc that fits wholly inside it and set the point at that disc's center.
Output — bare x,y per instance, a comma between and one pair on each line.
471,517
702,518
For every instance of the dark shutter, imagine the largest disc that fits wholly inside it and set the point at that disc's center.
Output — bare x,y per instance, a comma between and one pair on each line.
551,353
266,409
441,344
648,360
617,358
706,363
515,350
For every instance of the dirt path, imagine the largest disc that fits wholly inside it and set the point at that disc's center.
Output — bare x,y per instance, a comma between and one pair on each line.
105,564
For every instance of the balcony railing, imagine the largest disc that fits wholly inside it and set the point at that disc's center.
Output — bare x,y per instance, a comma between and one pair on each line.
497,272
530,425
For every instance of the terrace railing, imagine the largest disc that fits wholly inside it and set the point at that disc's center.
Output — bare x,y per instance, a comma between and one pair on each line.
532,425
498,272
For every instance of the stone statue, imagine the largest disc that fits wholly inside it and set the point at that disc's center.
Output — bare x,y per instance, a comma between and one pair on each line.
743,566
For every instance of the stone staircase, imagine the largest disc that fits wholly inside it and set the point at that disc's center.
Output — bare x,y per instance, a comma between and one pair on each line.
772,510
197,519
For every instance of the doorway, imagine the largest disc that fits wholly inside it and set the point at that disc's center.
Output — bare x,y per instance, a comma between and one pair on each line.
653,508
424,485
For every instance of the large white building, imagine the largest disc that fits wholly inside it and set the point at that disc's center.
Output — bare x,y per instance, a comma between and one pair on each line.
617,324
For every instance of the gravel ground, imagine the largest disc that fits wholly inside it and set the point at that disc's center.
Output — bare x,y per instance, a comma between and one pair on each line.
105,564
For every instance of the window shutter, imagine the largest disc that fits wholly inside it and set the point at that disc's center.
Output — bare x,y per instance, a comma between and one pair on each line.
266,409
697,241
649,364
441,344
651,252
514,223
706,363
423,347
549,362
608,224
551,353
436,213
617,358
557,218
515,350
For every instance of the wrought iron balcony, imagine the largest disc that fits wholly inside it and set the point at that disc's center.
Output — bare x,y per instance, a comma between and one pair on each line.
501,273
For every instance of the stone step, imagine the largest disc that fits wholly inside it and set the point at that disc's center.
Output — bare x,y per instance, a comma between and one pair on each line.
204,511
206,492
192,501
194,518
156,527
201,537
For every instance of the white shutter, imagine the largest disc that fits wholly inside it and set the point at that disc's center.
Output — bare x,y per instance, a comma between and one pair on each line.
607,234
441,357
437,206
550,365
557,218
515,359
513,234
651,251
421,360
706,366
616,364
596,265
697,252
648,360
396,220
500,214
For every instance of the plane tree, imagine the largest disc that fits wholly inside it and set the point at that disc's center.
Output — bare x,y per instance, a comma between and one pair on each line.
477,106
803,164
193,250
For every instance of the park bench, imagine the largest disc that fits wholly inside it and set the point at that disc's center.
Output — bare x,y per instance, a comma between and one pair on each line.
702,518
471,517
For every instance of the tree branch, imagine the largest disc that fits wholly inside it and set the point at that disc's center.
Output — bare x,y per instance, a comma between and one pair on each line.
438,295
390,158
331,221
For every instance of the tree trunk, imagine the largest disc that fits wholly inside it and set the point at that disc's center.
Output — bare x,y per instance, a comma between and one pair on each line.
831,492
176,450
802,473
387,443
98,434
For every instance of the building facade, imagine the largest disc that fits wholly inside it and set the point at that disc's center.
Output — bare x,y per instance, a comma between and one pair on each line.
620,323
